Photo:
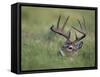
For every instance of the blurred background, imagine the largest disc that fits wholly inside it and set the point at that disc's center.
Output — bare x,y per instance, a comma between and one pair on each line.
40,45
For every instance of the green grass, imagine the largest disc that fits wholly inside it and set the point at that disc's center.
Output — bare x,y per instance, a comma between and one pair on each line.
40,46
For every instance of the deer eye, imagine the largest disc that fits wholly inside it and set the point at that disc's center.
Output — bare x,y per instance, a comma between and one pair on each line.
65,46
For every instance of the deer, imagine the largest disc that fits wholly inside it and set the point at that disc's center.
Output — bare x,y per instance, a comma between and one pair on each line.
70,46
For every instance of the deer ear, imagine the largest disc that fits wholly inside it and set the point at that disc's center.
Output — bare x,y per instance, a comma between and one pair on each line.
79,44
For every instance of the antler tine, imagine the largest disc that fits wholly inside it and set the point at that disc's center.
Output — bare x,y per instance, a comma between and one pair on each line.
58,21
65,23
79,23
68,34
76,36
84,23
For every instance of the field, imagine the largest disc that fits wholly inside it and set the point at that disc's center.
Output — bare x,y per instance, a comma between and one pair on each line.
40,46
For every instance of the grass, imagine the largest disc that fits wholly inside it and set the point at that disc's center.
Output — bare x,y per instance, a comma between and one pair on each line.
40,45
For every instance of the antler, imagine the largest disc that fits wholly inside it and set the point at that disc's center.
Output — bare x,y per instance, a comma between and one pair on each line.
59,30
82,32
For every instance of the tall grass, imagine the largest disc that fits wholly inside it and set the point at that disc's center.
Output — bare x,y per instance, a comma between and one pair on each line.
40,45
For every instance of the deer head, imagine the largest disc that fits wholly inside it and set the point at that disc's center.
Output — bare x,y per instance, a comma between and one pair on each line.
70,46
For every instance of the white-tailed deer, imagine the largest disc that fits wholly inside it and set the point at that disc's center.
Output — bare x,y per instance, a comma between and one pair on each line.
70,46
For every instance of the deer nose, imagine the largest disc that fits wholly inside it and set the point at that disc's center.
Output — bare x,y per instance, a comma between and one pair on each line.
70,47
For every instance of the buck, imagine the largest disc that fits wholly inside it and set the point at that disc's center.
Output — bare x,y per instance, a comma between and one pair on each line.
70,46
